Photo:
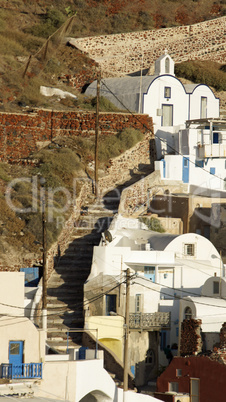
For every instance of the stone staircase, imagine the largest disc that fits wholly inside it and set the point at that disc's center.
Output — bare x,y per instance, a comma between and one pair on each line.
65,286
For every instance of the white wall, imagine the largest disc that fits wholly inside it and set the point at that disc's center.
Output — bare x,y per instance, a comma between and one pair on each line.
154,99
108,260
195,102
12,293
22,329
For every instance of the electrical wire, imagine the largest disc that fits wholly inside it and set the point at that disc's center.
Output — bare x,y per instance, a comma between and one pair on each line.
156,136
173,297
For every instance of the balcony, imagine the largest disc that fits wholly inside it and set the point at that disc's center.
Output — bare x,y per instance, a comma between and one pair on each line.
21,371
212,151
149,321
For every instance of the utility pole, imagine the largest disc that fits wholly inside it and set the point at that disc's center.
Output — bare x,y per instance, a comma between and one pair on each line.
44,274
126,339
97,133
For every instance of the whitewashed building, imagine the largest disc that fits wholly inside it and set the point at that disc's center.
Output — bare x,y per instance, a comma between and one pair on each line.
163,97
209,307
164,269
26,371
199,157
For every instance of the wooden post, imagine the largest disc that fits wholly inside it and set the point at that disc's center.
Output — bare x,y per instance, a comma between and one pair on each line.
97,134
44,275
126,339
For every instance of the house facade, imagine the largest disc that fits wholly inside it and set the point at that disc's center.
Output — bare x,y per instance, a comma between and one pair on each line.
163,97
164,269
199,157
193,378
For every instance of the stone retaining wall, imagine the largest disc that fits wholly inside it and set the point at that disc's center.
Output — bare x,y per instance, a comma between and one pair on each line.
126,53
24,133
118,171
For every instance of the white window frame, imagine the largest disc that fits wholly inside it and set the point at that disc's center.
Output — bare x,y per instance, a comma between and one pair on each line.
189,249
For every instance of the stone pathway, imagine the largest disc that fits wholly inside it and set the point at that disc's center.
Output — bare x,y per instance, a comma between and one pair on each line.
65,286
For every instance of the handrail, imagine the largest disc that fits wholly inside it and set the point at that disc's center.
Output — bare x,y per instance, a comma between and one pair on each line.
83,330
23,370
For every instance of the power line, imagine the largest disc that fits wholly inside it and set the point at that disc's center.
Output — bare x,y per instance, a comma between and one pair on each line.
161,140
173,297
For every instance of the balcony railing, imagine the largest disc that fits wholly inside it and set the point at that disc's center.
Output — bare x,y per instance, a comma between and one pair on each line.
22,371
212,150
149,321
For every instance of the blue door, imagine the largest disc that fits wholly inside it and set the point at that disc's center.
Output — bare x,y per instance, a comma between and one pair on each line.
16,356
149,272
185,175
164,168
215,138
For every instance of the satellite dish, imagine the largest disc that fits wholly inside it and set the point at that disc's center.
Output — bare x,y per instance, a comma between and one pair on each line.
108,236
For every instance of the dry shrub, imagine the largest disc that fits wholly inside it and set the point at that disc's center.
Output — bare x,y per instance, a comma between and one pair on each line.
202,72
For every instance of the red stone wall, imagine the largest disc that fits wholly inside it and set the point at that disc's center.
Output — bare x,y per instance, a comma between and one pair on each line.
191,342
211,374
21,133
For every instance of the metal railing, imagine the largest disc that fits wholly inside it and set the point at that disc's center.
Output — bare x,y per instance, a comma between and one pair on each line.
147,321
24,370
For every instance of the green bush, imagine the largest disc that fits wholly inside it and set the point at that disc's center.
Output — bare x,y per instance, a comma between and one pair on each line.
113,145
152,224
104,104
203,72
58,166
3,173
52,20
10,46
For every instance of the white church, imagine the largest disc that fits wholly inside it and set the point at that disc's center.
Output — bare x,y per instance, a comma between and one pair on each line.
190,135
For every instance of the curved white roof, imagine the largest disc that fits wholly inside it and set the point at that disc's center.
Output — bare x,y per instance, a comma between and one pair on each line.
211,311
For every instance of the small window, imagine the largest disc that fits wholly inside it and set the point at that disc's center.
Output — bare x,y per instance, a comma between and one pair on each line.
212,170
167,65
110,304
187,313
189,249
179,372
216,287
150,357
203,107
216,138
167,92
137,303
173,386
14,348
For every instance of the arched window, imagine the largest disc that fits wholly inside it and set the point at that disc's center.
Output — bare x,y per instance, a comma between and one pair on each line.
150,357
167,65
187,313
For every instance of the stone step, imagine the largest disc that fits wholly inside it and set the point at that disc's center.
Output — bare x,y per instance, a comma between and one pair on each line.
66,296
58,291
62,345
68,262
61,281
